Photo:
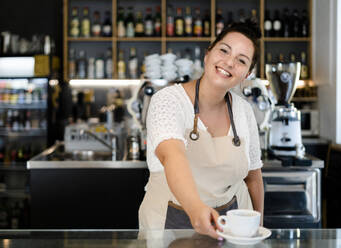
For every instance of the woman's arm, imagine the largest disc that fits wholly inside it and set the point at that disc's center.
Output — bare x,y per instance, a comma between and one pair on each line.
171,154
254,182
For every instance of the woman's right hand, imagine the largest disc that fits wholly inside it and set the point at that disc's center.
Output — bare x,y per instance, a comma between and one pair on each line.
204,220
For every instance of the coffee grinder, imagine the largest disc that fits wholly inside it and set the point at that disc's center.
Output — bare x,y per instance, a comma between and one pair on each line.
285,139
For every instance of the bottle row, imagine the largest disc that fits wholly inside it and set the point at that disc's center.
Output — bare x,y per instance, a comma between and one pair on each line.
14,214
286,23
128,66
292,57
82,67
87,27
11,43
187,22
13,96
22,120
18,154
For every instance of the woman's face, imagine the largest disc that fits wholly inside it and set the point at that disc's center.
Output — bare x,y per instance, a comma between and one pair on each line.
228,62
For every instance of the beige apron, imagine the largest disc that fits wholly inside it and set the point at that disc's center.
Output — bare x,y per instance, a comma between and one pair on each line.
218,168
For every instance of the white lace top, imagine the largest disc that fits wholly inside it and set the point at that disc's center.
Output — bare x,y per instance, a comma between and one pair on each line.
171,112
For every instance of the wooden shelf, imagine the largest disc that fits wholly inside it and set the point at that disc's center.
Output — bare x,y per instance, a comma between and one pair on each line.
304,99
189,39
106,39
137,39
164,41
287,39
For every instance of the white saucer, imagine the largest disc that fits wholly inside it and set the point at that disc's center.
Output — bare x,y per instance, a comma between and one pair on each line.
261,234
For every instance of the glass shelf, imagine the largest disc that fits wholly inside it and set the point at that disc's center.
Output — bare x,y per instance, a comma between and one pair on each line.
13,166
35,105
14,193
31,132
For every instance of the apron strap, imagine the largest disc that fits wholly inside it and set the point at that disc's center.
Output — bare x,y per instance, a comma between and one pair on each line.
235,140
194,134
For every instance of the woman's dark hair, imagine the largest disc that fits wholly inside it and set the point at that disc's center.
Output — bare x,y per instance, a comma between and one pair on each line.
248,28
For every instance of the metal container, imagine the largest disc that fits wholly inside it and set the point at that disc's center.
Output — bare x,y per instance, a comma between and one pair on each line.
133,147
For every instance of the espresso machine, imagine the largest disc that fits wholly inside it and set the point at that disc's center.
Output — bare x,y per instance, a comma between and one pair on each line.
285,139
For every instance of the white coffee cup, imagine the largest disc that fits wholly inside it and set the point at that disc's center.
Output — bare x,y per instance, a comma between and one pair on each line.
240,222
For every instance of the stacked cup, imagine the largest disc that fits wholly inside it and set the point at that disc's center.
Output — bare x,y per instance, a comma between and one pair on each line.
185,67
153,66
168,68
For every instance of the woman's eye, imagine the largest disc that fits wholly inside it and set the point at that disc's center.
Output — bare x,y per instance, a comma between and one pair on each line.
242,61
223,50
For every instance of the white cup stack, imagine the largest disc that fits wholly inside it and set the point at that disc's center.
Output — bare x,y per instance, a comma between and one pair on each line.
185,67
168,68
153,66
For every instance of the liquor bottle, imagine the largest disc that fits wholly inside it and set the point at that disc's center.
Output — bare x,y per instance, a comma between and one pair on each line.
207,24
277,25
2,154
28,125
179,23
143,65
281,58
170,21
149,23
130,21
286,23
304,24
292,65
2,118
197,23
99,65
74,24
21,120
81,65
139,27
267,24
133,63
15,122
107,27
242,17
269,58
188,22
121,65
304,66
108,63
72,63
121,31
230,18
20,155
157,23
91,68
85,26
254,17
219,26
295,24
96,25
8,120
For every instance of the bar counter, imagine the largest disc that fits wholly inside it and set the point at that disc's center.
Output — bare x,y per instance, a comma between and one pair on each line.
56,158
155,239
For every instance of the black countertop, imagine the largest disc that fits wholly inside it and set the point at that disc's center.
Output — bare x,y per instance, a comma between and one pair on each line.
168,238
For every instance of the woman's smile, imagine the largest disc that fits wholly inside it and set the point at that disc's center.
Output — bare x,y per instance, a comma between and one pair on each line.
221,71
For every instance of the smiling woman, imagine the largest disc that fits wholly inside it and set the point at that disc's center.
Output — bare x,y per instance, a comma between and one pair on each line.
199,166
